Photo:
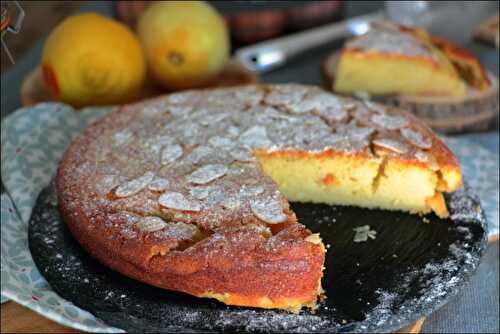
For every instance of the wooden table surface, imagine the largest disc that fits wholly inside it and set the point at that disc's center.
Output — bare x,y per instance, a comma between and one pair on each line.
19,319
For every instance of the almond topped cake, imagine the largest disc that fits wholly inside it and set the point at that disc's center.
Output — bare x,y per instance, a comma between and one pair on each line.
394,59
189,192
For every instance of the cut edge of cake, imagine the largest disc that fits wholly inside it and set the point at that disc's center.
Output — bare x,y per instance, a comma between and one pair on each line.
293,305
370,182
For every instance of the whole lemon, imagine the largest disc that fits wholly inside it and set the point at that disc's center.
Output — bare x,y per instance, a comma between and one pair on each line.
90,59
186,42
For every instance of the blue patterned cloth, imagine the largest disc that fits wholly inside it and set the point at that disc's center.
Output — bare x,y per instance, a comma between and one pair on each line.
33,141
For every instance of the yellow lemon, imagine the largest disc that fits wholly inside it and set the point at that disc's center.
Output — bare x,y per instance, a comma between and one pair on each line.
90,59
186,42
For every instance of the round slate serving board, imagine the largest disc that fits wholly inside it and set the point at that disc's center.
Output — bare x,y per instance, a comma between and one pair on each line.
382,285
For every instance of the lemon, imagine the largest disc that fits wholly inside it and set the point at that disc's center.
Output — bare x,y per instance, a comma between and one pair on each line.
90,59
186,42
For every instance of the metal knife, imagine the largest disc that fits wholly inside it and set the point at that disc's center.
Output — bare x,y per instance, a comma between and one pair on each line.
265,56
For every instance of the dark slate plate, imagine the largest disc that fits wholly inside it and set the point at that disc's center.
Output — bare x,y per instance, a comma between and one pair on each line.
407,272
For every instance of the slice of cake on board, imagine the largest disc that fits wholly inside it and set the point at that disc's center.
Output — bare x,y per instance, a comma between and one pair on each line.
391,59
436,80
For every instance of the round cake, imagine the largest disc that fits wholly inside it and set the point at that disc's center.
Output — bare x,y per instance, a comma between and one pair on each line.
189,192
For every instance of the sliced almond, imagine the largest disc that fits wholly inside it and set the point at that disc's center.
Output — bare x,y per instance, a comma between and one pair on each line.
177,201
391,144
269,211
151,224
207,173
134,186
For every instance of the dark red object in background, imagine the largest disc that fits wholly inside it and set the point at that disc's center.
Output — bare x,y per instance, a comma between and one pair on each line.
254,21
269,19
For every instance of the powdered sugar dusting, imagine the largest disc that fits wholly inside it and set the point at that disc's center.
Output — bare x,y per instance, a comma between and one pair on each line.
285,96
391,144
269,210
200,192
383,38
171,153
150,224
464,208
177,201
159,184
121,137
134,186
389,122
242,154
180,231
416,138
107,183
207,173
255,137
221,142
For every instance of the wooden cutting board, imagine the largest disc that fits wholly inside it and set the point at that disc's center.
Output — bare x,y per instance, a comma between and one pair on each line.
33,89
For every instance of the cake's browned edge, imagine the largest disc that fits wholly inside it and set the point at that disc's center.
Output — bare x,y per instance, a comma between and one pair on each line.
470,68
250,269
449,172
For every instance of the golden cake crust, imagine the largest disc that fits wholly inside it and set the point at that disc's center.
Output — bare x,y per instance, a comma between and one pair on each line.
165,191
398,60
469,67
246,257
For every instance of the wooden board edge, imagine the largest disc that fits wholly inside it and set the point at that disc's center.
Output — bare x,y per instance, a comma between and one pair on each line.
33,89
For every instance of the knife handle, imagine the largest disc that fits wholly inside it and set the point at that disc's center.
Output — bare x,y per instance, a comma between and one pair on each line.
268,55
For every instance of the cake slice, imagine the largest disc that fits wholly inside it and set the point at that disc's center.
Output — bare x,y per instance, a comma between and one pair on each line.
488,31
189,192
396,60
467,65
